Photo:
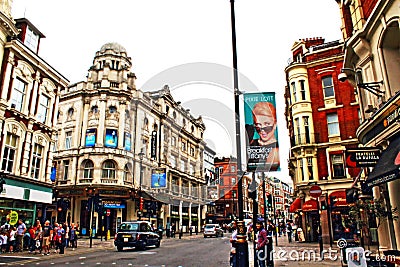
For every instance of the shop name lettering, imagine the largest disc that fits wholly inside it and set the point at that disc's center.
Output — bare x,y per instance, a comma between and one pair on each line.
393,116
260,98
258,152
366,156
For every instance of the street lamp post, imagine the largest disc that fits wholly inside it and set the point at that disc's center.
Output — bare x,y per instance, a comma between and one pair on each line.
141,156
242,252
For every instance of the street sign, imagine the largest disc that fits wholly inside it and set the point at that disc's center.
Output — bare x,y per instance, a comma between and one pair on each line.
108,212
315,191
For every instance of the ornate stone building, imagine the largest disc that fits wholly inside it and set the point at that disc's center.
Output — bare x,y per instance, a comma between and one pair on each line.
138,154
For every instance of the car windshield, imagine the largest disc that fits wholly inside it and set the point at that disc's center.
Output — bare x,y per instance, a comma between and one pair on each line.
129,226
209,226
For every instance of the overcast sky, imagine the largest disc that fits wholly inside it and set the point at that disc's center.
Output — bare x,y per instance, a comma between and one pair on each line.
164,37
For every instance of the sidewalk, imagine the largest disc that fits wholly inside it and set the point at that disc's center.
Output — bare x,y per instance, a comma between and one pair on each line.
97,244
298,254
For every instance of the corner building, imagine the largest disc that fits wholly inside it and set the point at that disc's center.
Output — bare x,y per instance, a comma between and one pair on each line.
322,116
113,139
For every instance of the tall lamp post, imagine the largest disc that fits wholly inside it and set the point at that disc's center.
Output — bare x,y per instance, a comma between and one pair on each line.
141,156
242,253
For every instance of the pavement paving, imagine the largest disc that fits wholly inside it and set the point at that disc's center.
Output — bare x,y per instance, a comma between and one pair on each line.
286,254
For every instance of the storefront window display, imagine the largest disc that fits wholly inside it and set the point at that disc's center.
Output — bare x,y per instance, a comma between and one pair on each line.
9,209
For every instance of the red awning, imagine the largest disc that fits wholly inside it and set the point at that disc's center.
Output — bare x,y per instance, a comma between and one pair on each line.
338,198
310,205
296,205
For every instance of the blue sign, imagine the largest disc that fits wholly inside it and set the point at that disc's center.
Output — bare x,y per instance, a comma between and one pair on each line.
90,138
53,174
159,178
111,138
110,204
127,140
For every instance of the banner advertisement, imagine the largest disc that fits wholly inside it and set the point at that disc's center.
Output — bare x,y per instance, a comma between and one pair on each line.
262,147
111,138
127,141
159,178
362,157
154,144
90,139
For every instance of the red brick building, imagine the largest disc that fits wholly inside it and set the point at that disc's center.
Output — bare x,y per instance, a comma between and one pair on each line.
322,117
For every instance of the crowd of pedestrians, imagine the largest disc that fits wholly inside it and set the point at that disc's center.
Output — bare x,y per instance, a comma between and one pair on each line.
38,239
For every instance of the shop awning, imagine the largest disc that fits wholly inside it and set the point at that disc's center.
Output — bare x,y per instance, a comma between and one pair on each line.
310,205
296,205
337,198
388,167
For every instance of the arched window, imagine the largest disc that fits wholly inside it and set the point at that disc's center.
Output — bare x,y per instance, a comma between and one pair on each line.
108,169
88,167
127,173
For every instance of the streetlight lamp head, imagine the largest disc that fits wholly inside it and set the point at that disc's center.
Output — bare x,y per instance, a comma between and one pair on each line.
141,154
342,77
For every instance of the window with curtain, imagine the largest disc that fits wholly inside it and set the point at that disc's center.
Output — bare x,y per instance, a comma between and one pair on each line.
327,86
88,168
37,155
310,168
333,124
10,150
108,170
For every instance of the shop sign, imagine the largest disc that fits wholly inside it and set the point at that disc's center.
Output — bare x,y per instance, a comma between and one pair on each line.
13,217
113,204
113,192
154,144
392,118
362,157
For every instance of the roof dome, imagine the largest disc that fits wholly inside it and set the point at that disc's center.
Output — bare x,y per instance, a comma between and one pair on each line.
113,46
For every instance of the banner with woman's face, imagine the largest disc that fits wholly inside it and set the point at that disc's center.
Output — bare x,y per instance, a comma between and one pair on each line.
262,147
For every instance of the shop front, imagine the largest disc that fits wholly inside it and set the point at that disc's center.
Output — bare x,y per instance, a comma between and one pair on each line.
21,200
311,220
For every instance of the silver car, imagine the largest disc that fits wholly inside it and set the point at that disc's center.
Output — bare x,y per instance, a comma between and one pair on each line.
213,230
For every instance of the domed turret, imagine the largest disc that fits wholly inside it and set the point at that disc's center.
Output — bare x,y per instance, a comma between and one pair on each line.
113,46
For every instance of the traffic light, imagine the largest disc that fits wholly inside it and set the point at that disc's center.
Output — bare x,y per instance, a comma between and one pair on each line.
60,205
269,201
323,205
141,203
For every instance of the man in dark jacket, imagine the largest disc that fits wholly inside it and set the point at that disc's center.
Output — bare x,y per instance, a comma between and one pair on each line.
262,241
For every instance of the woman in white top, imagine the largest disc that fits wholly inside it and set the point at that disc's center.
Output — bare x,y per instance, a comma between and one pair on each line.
13,232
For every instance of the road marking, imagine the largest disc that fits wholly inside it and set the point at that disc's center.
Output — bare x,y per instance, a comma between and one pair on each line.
82,258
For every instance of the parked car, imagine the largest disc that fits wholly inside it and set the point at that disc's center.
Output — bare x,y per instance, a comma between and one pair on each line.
213,230
138,234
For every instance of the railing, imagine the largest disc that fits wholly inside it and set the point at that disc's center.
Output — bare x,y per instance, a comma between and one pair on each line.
86,180
305,139
109,181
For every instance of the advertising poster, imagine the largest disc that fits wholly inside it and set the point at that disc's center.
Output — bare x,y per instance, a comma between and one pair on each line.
128,141
159,178
262,146
111,138
212,192
90,140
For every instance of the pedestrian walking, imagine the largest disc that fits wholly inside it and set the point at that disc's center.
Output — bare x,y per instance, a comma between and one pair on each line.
289,232
233,241
4,242
262,241
47,237
73,237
